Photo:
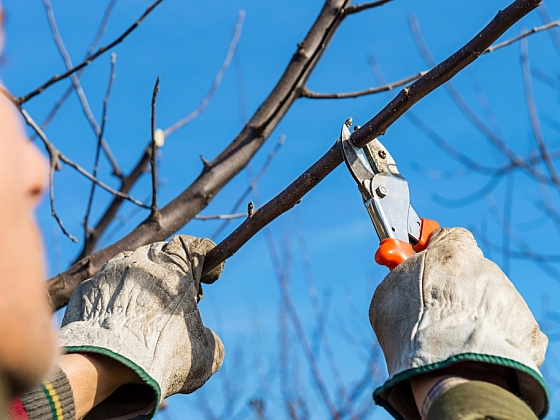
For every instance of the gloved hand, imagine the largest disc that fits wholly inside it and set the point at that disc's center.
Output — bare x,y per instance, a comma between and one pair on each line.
449,307
141,309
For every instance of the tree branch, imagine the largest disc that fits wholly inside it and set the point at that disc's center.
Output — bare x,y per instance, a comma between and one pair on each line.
305,92
54,153
77,85
99,144
88,60
533,116
154,208
356,8
372,129
217,79
225,166
127,182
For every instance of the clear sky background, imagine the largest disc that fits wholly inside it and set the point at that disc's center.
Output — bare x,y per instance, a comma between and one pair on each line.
327,237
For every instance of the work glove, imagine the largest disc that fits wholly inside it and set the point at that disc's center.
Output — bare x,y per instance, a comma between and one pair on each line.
141,309
449,306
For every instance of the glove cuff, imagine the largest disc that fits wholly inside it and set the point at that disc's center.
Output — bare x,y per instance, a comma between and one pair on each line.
395,395
130,401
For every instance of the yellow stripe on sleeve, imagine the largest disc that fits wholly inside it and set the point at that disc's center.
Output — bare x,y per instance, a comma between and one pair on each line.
54,397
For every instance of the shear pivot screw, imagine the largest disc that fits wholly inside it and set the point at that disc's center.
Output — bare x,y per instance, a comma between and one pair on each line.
381,191
382,154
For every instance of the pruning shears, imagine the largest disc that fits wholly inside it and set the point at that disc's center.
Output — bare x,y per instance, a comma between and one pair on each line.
386,197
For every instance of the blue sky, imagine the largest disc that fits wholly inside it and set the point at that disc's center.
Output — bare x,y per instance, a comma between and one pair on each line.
185,43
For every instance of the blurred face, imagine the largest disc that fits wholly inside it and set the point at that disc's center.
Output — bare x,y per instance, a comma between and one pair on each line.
28,342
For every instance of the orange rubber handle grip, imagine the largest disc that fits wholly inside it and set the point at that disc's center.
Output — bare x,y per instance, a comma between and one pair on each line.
426,229
392,252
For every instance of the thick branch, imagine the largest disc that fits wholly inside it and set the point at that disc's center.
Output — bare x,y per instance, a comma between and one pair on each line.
372,129
218,172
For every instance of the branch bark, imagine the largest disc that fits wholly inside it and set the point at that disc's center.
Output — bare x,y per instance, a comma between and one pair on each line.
372,129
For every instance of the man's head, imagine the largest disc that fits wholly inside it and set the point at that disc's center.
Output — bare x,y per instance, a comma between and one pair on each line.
27,340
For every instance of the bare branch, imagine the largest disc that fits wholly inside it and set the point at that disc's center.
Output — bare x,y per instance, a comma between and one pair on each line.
298,328
320,321
217,79
554,35
494,137
154,208
241,150
128,181
226,165
243,197
523,35
532,109
544,260
221,216
93,45
373,128
99,143
54,214
77,86
356,8
548,80
373,90
91,58
58,156
306,93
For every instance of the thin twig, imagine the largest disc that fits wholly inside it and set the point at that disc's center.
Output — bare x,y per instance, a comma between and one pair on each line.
507,213
356,8
554,35
472,117
90,59
221,216
298,328
58,156
533,115
548,80
154,208
217,78
544,260
101,29
523,35
306,93
472,197
99,143
320,320
77,85
127,182
243,197
52,168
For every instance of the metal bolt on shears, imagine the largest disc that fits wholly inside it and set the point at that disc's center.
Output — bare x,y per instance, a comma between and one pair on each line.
386,197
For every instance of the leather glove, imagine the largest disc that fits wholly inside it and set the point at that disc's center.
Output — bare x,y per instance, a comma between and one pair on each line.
449,306
141,309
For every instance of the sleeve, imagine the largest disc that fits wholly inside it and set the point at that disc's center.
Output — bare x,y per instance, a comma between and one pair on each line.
53,399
